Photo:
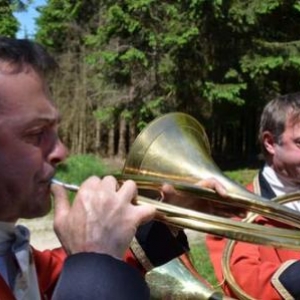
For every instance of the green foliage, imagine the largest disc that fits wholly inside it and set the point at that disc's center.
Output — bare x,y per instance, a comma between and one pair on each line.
105,115
180,39
77,168
246,14
151,108
61,23
134,55
242,176
294,61
53,23
219,92
193,56
146,36
256,65
8,26
297,5
8,23
126,114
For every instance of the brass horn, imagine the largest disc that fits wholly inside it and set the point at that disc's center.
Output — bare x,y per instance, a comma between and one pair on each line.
178,280
174,149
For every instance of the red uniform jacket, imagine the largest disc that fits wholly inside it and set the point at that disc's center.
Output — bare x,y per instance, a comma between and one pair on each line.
48,265
263,272
153,245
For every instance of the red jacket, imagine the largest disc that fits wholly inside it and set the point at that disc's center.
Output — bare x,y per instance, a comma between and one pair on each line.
153,245
48,266
263,272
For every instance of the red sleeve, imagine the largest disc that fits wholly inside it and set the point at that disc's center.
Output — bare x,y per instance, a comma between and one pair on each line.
254,267
48,266
253,272
130,258
250,187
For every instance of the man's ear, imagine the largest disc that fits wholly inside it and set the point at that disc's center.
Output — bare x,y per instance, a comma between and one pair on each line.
269,142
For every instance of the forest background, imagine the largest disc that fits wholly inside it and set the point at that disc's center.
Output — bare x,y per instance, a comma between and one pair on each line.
125,62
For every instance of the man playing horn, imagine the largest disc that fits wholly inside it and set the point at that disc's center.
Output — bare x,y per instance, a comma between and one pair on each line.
102,218
265,272
94,231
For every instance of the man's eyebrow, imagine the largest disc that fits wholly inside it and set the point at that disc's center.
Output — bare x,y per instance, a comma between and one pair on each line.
45,120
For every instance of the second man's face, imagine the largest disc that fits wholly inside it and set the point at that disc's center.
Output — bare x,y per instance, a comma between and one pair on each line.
286,158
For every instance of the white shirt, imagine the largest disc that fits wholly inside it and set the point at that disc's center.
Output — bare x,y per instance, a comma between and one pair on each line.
281,186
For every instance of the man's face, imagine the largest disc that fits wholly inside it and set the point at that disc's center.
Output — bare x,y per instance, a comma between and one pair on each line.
29,145
286,153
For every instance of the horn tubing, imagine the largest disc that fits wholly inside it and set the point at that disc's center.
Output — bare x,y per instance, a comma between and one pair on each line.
270,209
198,221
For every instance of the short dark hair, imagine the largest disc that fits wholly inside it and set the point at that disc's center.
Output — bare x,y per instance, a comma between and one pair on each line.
275,115
22,52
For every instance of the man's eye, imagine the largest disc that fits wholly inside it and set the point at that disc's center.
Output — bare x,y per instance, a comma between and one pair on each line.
35,137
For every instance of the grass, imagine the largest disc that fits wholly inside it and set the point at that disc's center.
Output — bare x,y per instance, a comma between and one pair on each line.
77,168
242,176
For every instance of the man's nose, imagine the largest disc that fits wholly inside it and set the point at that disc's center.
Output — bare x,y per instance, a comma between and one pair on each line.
58,154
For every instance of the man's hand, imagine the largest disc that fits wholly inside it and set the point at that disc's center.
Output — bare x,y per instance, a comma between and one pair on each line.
196,203
102,218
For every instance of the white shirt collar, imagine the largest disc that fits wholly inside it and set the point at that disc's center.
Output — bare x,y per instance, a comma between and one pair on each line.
281,186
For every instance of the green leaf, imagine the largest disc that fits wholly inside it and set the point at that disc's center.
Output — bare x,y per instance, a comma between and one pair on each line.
229,92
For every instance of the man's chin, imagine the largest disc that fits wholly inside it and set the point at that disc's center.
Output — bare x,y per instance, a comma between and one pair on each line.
40,209
36,214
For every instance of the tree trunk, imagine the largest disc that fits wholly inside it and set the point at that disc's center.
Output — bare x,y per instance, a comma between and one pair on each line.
132,132
122,139
111,142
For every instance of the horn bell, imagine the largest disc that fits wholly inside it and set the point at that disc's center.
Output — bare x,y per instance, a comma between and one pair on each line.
175,147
